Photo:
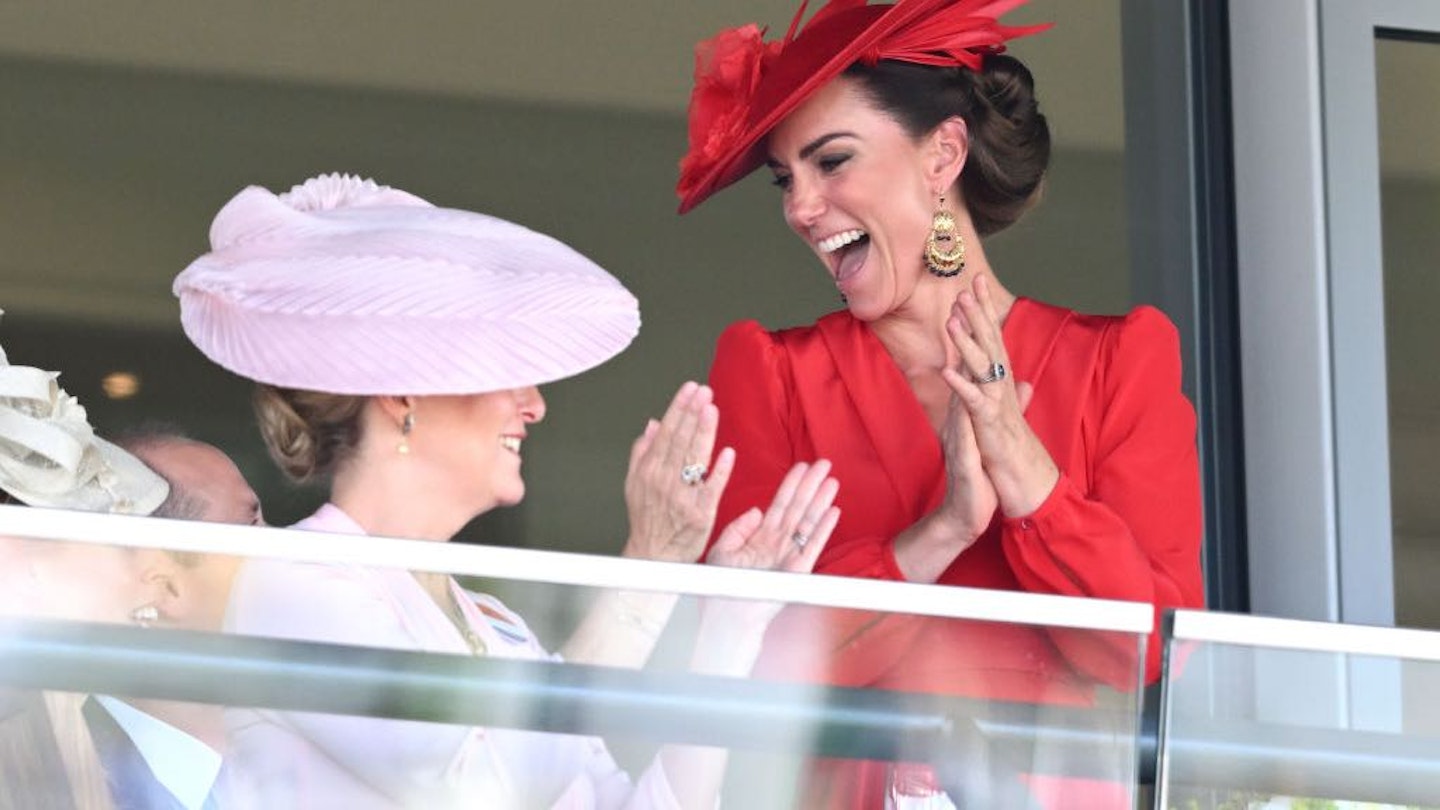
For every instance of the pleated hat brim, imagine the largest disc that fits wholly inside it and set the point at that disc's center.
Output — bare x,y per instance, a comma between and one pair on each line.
387,295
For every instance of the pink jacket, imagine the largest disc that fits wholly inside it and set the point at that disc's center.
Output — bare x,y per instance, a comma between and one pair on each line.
296,759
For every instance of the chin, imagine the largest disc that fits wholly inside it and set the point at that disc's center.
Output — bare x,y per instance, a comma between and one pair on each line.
512,497
866,311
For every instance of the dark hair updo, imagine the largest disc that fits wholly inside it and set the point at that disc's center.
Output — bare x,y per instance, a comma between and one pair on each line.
1009,138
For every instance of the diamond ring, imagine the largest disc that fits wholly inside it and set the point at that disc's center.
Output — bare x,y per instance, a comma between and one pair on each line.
692,474
799,539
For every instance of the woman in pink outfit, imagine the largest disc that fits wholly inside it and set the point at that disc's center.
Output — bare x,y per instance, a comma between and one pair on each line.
398,347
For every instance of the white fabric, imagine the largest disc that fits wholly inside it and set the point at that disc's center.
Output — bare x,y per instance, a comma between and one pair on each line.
182,764
50,456
294,759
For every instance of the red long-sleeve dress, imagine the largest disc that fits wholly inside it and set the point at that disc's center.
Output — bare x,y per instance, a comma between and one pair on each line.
1123,522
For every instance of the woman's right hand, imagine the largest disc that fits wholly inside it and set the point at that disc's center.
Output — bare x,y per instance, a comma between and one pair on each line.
928,547
970,498
670,518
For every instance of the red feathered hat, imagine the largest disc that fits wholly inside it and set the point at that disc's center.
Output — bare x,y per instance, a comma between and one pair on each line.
744,86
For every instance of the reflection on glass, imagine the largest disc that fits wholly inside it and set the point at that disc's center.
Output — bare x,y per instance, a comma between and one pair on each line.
1407,74
445,713
1255,727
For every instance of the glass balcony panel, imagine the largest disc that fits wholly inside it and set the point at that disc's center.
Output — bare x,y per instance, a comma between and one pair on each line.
932,691
1271,713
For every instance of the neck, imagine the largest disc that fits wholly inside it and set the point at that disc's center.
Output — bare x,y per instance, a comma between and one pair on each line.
394,495
915,335
202,721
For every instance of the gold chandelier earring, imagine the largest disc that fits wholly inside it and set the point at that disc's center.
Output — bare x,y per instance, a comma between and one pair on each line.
406,426
945,247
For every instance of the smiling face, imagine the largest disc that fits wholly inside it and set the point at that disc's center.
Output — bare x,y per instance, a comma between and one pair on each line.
12,551
73,581
858,189
205,485
475,443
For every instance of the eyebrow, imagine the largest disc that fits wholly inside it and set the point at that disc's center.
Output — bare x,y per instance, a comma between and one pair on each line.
809,149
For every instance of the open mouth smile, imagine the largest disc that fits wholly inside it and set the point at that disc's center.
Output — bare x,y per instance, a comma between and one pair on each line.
845,252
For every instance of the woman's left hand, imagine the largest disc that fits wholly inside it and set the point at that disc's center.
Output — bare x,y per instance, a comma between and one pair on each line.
788,536
791,533
1016,461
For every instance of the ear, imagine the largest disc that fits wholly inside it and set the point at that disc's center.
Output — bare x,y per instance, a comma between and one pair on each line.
394,408
160,584
949,147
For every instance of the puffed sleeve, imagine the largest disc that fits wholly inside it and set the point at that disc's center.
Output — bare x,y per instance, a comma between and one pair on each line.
1135,533
751,379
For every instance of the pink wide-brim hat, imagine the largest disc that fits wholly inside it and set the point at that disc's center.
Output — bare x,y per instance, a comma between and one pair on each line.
348,287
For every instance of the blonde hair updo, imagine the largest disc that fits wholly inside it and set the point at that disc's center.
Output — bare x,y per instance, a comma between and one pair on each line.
308,433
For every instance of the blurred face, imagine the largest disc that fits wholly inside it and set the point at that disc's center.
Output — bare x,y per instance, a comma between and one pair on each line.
215,492
475,443
78,581
11,549
855,190
207,475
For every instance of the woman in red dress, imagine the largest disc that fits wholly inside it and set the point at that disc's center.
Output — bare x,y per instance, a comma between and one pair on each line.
982,439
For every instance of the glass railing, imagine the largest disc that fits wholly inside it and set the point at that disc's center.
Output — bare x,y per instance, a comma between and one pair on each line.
338,670
1272,713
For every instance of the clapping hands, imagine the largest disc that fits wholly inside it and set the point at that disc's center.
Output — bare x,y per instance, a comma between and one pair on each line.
995,460
790,534
670,499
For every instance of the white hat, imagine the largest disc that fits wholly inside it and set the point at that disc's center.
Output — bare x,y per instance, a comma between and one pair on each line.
50,456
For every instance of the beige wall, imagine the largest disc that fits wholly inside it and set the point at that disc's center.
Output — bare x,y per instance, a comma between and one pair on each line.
634,55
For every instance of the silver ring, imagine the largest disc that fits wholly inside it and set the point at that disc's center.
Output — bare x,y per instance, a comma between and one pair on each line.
996,374
799,539
692,474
